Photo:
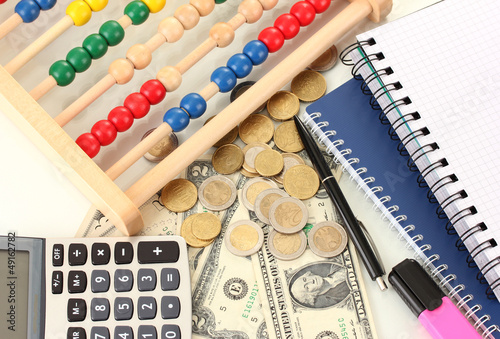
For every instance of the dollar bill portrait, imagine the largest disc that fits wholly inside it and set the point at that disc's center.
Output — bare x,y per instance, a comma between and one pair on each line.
319,285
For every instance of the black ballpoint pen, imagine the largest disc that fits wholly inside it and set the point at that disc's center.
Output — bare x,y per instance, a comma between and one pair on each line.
354,230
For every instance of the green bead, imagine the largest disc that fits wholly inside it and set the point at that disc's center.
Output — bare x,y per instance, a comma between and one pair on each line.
96,45
79,58
137,11
220,1
113,32
62,72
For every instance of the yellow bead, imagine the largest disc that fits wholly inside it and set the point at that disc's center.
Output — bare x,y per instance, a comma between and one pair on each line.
122,70
140,55
155,5
170,77
97,5
79,11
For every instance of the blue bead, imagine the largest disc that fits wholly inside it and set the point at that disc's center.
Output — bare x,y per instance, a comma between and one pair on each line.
194,104
257,51
46,4
225,78
240,64
28,10
177,118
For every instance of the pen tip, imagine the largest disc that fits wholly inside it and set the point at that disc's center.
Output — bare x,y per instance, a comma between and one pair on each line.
381,283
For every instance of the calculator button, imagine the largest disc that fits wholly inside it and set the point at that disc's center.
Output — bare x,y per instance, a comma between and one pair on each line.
76,333
77,310
77,254
171,331
124,253
100,253
123,332
99,281
77,281
124,280
146,332
146,308
57,254
170,307
150,252
100,333
57,282
146,279
170,279
99,309
124,308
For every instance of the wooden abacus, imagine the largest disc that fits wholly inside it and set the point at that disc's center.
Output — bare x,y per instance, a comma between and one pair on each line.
121,207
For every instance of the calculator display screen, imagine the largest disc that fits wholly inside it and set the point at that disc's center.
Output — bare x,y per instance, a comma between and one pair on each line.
14,284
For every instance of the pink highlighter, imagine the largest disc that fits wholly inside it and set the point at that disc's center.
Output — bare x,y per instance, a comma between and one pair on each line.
437,313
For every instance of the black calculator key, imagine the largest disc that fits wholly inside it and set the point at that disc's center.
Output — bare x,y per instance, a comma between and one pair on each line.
170,307
57,282
99,309
146,308
99,333
100,253
77,310
170,279
171,331
99,281
124,332
77,281
77,254
146,332
146,279
124,280
57,254
124,253
76,333
124,308
150,252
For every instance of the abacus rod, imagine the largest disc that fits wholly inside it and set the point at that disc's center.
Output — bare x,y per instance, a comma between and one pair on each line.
237,111
196,55
43,88
125,21
8,25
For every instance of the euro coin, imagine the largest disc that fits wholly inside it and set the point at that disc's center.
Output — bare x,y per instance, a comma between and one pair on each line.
301,181
309,85
288,215
283,106
217,193
287,246
269,163
227,159
256,128
327,239
287,137
206,226
242,88
244,238
249,174
252,188
264,200
289,160
187,233
179,195
325,61
162,148
229,138
250,152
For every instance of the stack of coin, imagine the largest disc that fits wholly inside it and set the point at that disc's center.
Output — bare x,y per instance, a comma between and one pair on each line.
250,152
252,188
217,193
200,229
269,163
244,238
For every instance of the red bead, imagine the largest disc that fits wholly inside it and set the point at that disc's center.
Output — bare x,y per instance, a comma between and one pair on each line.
320,5
89,144
288,25
304,12
273,38
121,118
138,104
154,91
104,131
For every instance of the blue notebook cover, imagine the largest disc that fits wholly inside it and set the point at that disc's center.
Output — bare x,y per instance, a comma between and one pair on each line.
347,111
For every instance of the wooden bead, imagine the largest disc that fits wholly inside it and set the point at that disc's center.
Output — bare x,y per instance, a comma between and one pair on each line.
155,5
122,70
137,104
104,131
171,29
79,11
187,15
304,12
89,144
273,38
140,56
268,4
252,10
121,118
97,5
222,33
204,7
154,91
288,24
170,77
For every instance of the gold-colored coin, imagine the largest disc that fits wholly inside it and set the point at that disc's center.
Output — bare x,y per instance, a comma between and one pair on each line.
179,195
162,148
256,128
228,138
228,159
249,174
309,85
269,163
283,105
206,226
287,137
287,246
290,160
244,238
187,233
325,61
251,151
301,181
327,239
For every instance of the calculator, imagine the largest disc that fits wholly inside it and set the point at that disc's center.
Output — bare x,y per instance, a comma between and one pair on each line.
94,288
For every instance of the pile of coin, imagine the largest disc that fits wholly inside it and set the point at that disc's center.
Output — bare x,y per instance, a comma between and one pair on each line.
200,229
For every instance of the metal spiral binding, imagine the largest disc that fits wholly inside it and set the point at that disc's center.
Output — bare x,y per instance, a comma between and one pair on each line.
386,88
481,274
374,76
442,182
471,210
459,244
491,288
472,254
344,55
382,116
366,60
411,162
403,142
401,121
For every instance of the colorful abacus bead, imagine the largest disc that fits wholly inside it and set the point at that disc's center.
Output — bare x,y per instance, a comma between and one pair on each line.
154,91
105,131
177,118
121,117
194,104
89,144
137,104
224,78
29,10
304,12
257,51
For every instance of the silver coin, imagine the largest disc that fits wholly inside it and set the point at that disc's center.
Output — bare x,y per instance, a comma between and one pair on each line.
288,215
289,160
252,188
244,238
327,239
217,193
163,148
287,246
264,201
251,151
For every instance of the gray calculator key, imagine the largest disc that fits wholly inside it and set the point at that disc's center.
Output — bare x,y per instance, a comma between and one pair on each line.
124,280
146,308
99,281
124,332
171,331
146,279
170,307
100,333
146,332
124,308
170,279
99,309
